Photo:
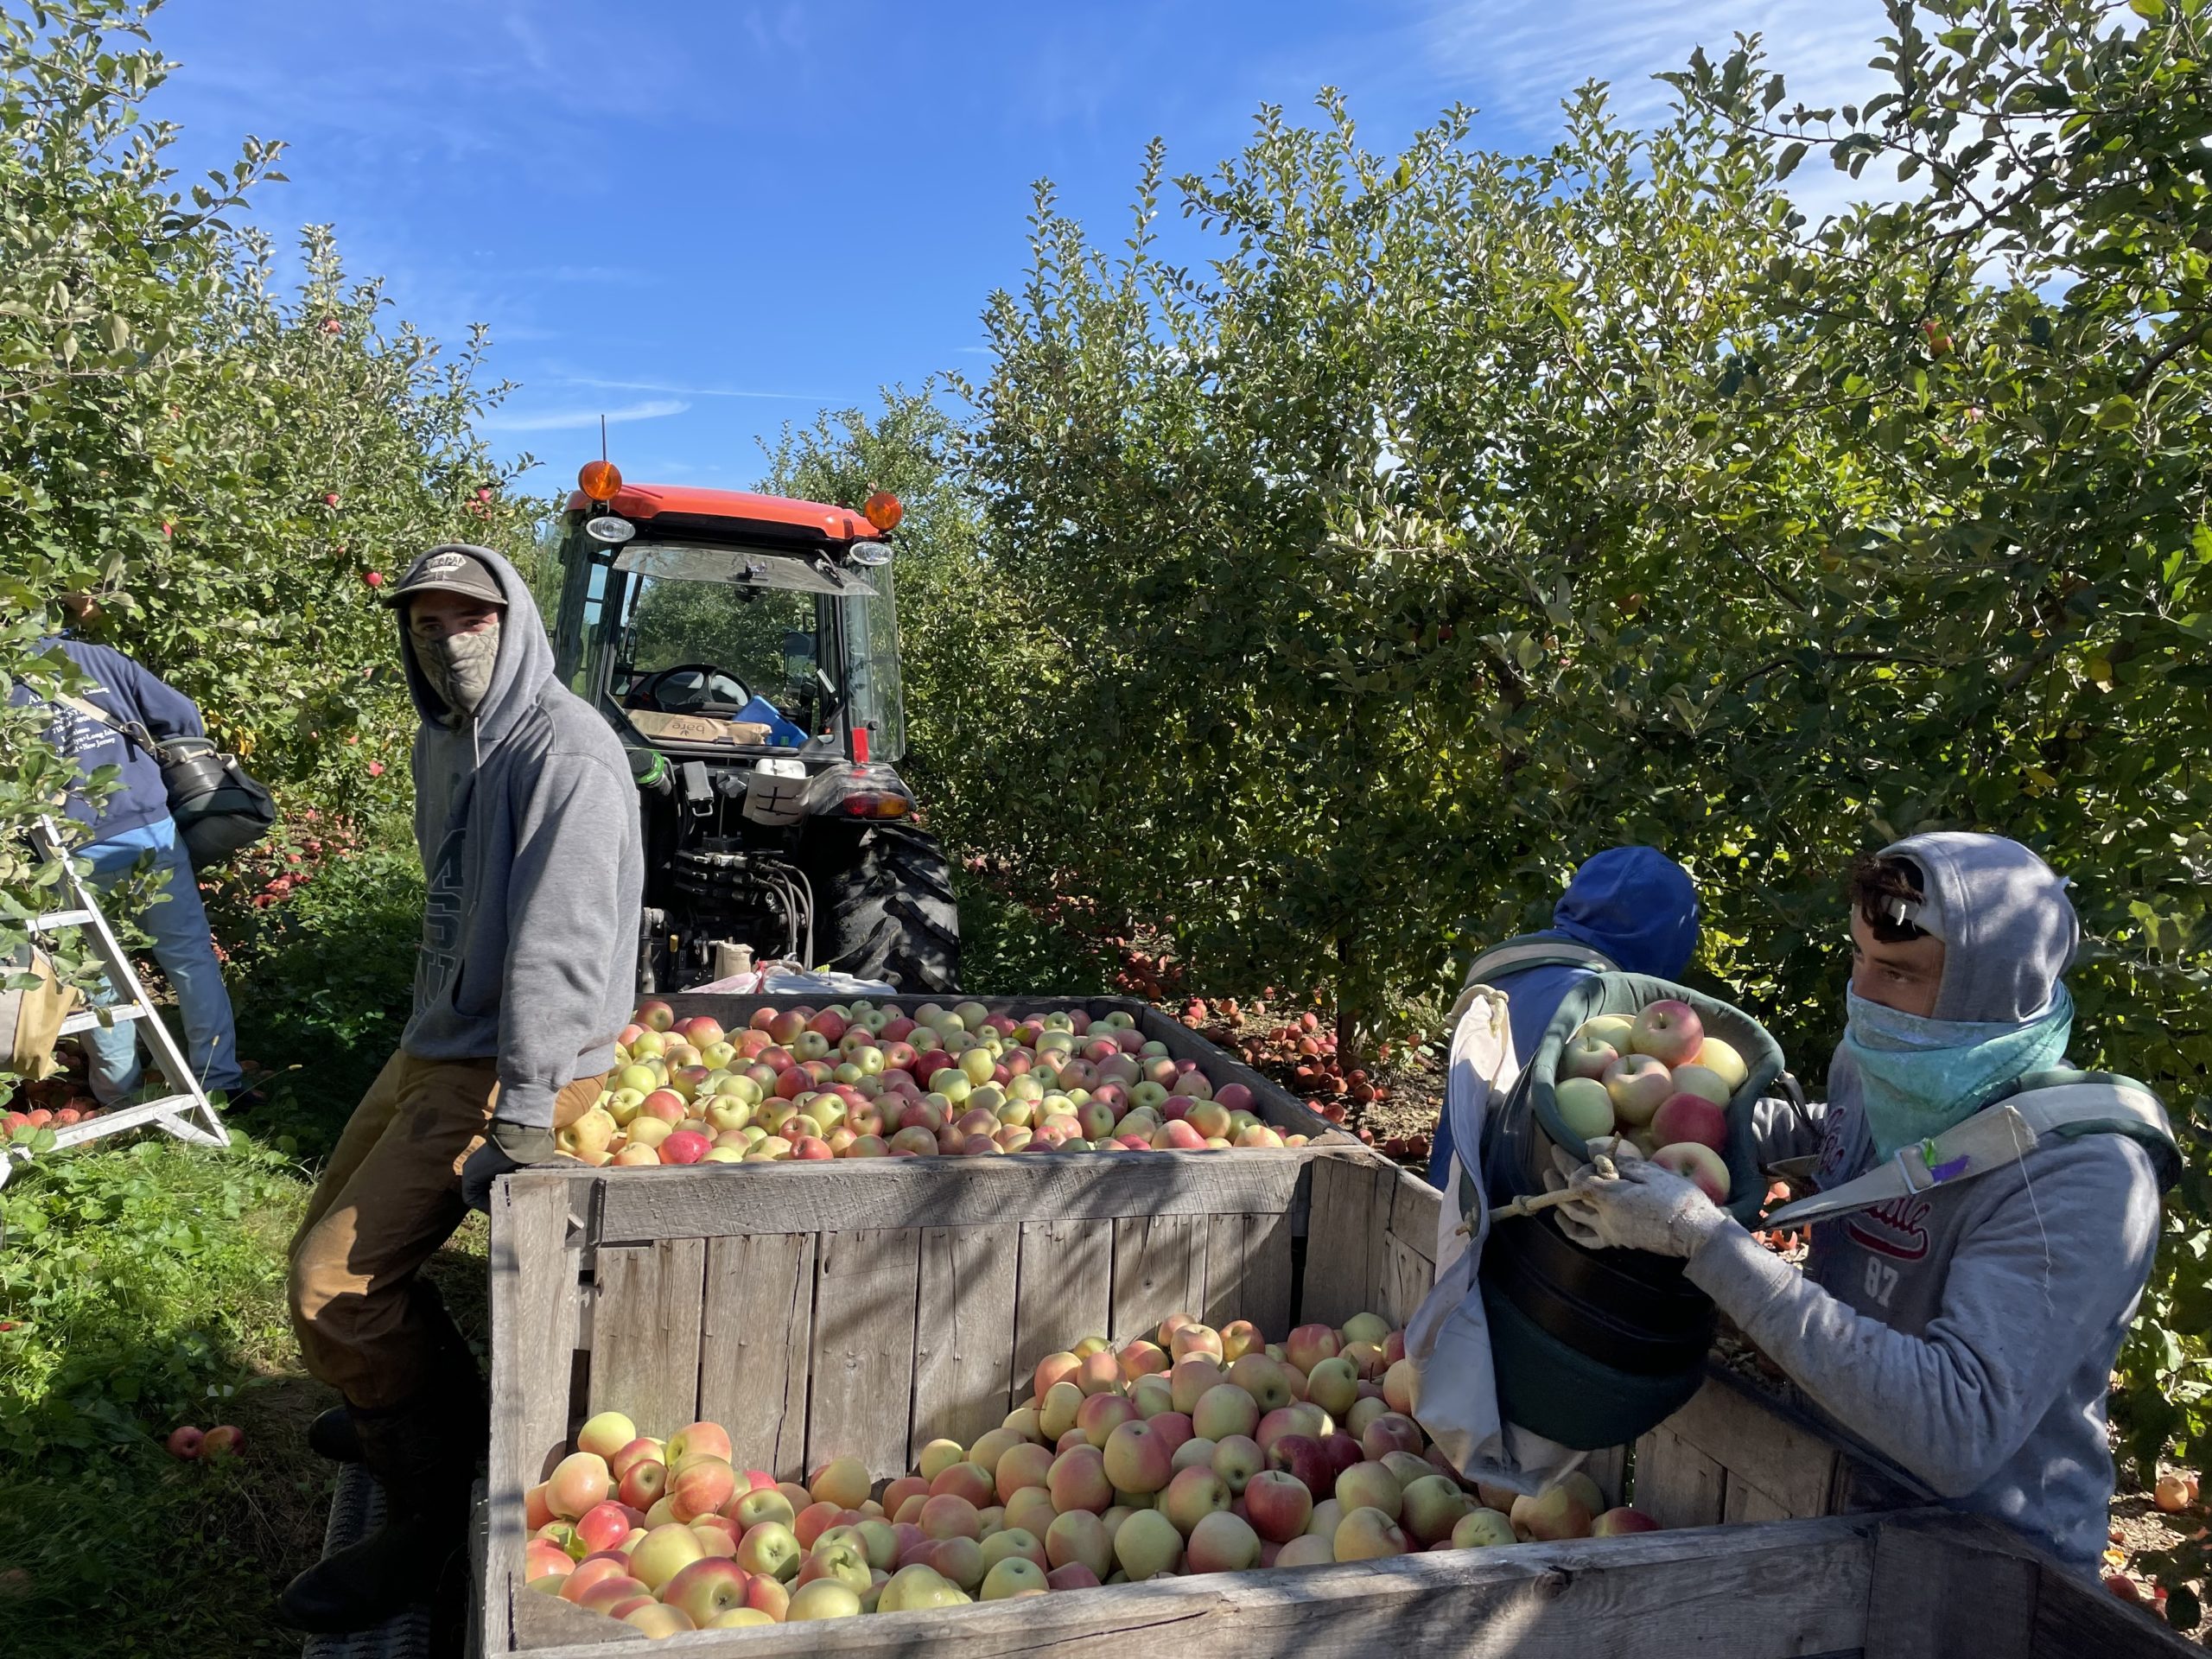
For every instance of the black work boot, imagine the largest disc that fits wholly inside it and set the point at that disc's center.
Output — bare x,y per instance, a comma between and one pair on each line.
332,1434
424,1461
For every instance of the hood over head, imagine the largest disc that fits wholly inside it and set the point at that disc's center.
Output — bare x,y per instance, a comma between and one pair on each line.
2008,931
1636,905
526,661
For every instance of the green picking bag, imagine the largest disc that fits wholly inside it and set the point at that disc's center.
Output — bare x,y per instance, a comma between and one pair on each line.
1522,1135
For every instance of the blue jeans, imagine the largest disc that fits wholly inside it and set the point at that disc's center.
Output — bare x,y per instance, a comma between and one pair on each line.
186,950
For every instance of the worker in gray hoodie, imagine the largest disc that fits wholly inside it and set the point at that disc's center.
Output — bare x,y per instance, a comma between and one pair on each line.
527,822
1966,1332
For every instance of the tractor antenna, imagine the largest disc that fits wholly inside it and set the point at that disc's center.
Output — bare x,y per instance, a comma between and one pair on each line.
603,437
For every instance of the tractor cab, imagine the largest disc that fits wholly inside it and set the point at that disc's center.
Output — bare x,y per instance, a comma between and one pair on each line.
746,648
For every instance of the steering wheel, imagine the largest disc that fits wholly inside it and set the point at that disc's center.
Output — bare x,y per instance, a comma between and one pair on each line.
647,689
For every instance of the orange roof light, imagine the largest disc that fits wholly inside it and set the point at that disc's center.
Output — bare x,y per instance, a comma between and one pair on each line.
599,480
882,510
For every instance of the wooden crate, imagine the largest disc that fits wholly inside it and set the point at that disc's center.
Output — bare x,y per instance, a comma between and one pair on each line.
813,1315
1271,1102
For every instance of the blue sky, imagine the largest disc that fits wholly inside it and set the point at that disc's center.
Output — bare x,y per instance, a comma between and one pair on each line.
706,220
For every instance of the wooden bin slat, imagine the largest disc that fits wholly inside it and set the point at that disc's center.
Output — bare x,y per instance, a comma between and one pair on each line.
1066,1289
533,1274
1346,1237
703,1200
646,1304
1249,1273
1160,1268
861,1397
964,1379
755,1342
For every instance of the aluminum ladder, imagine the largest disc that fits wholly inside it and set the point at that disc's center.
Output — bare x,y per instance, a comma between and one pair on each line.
186,1112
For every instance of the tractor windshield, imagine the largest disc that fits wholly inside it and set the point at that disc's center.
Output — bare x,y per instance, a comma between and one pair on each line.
797,645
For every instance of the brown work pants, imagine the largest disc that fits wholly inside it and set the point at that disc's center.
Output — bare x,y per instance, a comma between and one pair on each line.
390,1197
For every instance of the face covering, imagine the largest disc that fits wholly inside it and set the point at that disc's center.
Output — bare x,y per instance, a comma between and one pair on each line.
1919,1077
459,667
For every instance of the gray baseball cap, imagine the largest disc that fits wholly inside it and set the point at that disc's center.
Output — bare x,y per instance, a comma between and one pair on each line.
453,568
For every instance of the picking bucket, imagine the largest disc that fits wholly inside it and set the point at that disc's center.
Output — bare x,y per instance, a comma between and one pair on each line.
1593,1347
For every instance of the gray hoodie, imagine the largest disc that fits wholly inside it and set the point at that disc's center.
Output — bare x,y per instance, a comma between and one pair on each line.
527,820
1967,1333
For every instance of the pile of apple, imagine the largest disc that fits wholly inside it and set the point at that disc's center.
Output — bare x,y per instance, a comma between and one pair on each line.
1201,1452
1653,1087
856,1080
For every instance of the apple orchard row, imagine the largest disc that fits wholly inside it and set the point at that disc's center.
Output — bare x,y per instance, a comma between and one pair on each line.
1195,1451
859,1081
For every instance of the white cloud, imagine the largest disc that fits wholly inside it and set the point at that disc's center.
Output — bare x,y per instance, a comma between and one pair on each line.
559,379
568,420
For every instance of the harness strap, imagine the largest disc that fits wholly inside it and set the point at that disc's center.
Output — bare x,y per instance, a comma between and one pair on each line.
1997,1136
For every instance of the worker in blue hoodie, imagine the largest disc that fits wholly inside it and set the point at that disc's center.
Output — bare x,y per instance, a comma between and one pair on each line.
131,830
1629,909
527,822
1965,1328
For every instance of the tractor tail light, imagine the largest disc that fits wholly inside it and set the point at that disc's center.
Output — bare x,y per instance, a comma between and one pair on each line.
872,804
599,480
882,510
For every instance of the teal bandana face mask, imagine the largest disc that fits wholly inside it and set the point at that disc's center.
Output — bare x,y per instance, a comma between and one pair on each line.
1919,1077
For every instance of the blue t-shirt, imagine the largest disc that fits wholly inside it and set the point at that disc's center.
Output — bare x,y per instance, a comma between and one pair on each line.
129,693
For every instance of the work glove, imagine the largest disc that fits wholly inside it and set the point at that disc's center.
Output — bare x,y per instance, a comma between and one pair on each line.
1645,1207
1574,1220
505,1149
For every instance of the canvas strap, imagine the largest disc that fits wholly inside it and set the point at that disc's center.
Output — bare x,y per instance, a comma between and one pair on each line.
1994,1138
1515,956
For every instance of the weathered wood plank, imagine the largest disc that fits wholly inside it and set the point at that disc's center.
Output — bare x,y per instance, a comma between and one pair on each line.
878,1194
1351,1218
645,1312
2074,1618
1249,1273
1066,1289
1743,1504
1784,1591
1793,1465
1608,1467
860,1403
533,1337
1414,1208
1406,1278
1160,1268
547,1621
1939,1593
755,1338
1677,1485
964,1334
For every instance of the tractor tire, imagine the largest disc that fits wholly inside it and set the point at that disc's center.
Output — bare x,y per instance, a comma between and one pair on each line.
884,907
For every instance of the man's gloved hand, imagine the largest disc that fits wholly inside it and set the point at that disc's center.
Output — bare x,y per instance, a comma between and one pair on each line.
507,1148
1643,1208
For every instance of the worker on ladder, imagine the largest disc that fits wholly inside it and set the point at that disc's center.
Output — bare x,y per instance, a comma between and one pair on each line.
527,822
131,827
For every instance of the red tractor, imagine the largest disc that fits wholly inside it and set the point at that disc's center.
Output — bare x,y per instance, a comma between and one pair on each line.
746,648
